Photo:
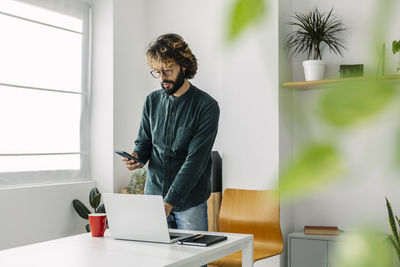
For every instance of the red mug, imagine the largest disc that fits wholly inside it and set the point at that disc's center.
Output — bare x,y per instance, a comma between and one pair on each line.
98,224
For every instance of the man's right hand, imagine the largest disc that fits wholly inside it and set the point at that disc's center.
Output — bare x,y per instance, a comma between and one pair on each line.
130,164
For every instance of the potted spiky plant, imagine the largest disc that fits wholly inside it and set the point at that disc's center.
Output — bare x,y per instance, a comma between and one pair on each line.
395,237
95,203
314,29
137,182
396,50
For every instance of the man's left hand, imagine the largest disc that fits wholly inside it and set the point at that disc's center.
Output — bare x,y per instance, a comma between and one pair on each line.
168,207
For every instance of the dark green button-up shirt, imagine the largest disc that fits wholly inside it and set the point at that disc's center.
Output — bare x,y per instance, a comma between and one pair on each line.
176,136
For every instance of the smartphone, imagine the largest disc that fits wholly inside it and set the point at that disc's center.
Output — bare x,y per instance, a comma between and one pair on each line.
127,155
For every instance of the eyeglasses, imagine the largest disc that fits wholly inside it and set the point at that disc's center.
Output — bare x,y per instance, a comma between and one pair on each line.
157,74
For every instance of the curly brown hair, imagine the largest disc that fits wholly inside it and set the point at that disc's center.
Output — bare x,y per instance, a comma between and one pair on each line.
169,49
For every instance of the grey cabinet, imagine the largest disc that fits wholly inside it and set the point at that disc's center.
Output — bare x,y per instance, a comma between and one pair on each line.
310,250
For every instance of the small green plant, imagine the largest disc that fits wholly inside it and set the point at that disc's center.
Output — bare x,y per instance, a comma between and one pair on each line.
137,182
395,237
313,29
395,47
396,50
94,200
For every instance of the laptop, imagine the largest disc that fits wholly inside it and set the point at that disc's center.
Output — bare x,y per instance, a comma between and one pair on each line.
139,218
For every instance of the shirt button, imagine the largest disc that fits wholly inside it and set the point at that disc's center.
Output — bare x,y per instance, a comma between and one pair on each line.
172,113
166,160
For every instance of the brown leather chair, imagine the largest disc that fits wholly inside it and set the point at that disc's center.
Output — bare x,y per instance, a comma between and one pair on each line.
251,212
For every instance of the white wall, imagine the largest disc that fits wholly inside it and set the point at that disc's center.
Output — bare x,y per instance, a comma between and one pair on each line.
119,87
33,214
359,197
102,95
129,85
250,124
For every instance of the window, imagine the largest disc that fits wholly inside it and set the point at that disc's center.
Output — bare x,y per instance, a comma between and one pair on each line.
44,91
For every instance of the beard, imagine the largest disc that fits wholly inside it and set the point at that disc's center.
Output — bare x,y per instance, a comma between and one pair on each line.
180,79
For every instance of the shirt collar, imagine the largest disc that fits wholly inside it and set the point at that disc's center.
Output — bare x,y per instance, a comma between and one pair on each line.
182,97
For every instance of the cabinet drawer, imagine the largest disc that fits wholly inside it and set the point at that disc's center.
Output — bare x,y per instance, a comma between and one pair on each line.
308,253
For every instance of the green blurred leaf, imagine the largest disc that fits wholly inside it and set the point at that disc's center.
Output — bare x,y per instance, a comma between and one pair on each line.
93,193
392,222
363,249
101,209
398,222
87,227
312,169
243,14
96,201
81,209
396,247
396,47
350,102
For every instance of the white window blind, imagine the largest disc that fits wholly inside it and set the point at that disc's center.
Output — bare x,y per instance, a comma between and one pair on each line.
44,91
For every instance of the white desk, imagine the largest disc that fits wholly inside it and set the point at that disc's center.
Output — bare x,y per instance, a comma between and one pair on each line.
86,251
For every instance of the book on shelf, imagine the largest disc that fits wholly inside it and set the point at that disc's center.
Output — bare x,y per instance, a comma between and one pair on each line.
321,230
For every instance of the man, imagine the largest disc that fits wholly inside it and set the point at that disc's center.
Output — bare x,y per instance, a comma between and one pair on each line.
177,132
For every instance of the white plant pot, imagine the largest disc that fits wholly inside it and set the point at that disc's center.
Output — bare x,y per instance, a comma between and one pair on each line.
313,70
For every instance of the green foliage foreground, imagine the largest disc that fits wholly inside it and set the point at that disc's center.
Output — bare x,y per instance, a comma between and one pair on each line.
345,105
